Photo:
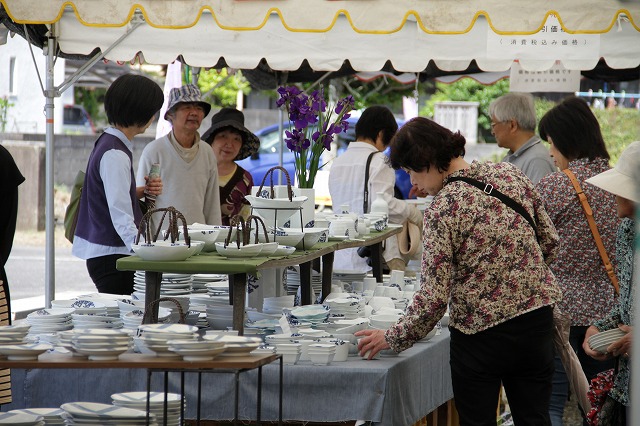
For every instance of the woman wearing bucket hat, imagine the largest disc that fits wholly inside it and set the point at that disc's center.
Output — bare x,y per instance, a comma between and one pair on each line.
187,165
622,181
231,141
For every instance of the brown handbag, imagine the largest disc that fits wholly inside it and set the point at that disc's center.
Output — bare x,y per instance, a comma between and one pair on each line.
594,229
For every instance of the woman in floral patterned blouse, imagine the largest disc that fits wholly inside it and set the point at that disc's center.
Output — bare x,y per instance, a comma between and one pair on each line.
621,182
587,293
490,266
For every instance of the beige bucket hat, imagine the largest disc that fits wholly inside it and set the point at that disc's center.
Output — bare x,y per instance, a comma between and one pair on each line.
622,180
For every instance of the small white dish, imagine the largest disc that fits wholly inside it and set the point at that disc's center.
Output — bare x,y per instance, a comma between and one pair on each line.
163,251
245,251
283,250
25,352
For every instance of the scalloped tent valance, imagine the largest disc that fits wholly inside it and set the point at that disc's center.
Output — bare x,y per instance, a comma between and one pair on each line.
430,16
342,32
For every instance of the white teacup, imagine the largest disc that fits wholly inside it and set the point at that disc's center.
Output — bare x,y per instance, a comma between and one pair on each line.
370,284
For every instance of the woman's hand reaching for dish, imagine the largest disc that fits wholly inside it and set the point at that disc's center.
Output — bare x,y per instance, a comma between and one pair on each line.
371,342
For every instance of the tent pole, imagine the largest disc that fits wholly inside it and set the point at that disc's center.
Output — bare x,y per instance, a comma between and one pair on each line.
49,285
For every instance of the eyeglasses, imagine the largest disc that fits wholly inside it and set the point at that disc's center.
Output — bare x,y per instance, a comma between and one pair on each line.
499,122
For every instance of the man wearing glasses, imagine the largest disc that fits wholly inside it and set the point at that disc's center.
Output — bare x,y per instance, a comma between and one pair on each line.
513,123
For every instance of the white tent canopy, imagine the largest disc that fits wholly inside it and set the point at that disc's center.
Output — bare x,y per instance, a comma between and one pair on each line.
451,33
409,49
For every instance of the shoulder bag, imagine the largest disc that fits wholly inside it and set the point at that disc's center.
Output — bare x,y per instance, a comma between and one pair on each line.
71,213
594,229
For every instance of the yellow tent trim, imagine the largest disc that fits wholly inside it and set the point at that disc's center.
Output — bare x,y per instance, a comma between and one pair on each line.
291,28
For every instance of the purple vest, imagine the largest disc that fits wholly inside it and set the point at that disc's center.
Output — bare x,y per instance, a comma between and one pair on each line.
94,221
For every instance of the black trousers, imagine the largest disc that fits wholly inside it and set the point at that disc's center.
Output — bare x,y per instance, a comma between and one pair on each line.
8,219
517,354
107,278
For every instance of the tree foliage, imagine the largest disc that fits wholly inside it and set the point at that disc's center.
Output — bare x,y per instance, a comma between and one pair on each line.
468,89
220,88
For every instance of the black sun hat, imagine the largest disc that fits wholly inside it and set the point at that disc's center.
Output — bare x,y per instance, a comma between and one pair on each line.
231,117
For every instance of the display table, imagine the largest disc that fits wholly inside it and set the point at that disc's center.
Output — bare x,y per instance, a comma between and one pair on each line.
392,390
237,269
222,364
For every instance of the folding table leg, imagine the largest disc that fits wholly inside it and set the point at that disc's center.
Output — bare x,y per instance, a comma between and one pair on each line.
149,372
199,396
280,391
166,392
259,394
236,409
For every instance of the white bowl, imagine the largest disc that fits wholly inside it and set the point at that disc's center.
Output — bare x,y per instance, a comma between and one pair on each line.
270,208
224,230
321,358
163,251
232,250
311,237
283,236
207,236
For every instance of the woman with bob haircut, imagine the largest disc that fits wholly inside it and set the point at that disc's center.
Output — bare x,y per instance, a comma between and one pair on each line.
109,212
576,144
489,264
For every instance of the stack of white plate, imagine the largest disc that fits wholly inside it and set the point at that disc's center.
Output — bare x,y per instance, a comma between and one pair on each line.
196,350
601,341
217,288
93,413
235,345
313,314
25,351
110,305
101,345
201,280
64,340
171,284
132,319
220,317
95,321
274,305
50,416
50,320
13,334
82,306
349,307
156,336
290,352
22,419
138,401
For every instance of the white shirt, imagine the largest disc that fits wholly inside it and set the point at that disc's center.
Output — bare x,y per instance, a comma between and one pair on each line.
346,185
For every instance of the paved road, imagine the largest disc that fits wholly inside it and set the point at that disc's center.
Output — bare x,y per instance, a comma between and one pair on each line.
26,272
